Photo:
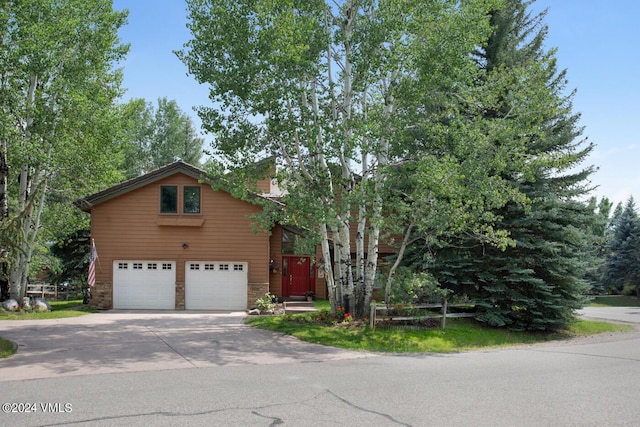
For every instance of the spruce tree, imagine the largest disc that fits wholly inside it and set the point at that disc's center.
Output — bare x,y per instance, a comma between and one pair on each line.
538,283
623,253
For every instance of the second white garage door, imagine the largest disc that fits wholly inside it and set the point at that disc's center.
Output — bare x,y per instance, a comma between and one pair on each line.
215,285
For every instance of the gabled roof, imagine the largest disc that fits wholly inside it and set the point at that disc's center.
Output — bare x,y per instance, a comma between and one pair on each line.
86,203
133,184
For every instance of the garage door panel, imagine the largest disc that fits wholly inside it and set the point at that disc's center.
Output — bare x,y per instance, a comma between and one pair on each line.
144,285
215,285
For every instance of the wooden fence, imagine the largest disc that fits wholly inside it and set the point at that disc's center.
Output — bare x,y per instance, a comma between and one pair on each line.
49,291
428,312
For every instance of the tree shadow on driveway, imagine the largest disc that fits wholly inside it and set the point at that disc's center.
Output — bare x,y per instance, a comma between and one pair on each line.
128,341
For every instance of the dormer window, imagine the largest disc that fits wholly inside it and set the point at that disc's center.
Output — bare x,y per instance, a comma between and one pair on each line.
169,199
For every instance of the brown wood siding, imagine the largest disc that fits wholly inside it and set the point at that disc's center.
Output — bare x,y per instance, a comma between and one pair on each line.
126,228
263,186
275,278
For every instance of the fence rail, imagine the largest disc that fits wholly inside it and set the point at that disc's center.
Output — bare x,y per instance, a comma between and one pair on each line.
47,290
428,312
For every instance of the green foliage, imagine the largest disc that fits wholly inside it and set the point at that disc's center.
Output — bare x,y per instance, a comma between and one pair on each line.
615,301
59,83
600,235
536,283
73,251
265,303
155,137
333,90
411,288
622,268
7,348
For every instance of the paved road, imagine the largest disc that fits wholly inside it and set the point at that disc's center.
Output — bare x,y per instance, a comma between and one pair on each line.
589,382
616,314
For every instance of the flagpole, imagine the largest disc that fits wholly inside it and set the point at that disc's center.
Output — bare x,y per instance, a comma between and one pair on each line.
93,242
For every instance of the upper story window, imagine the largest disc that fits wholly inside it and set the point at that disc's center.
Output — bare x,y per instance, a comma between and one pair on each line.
191,200
168,199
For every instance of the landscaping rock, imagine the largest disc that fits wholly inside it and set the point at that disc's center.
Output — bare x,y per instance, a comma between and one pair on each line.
41,305
11,305
254,311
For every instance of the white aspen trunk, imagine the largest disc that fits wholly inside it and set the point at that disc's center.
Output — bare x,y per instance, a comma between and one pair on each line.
327,266
379,176
396,264
360,235
347,175
4,179
16,278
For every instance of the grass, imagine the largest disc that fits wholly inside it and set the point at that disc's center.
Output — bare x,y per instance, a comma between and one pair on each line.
6,348
460,334
615,301
59,310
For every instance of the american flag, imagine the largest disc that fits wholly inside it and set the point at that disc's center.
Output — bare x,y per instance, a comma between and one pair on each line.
92,264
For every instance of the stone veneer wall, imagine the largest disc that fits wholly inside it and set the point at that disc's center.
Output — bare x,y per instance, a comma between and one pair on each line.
101,296
180,299
255,291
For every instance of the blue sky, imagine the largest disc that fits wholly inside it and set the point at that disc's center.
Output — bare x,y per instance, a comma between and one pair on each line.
597,43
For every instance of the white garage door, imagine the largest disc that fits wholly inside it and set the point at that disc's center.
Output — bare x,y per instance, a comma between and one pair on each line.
144,285
215,285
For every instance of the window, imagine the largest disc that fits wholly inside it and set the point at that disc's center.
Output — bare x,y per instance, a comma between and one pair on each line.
191,200
137,266
122,266
224,267
194,266
238,267
152,266
289,241
209,266
166,266
168,199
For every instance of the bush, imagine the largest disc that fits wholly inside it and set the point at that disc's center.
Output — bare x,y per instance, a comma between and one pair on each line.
266,303
412,288
629,290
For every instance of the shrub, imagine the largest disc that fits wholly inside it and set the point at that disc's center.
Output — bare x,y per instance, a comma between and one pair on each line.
266,303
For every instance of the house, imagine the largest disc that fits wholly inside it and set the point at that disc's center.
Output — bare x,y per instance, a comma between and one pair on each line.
167,240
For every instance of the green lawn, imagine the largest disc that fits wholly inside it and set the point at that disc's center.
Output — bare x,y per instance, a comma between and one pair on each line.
6,348
615,301
460,334
59,309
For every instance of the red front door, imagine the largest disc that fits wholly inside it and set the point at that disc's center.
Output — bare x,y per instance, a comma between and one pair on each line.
296,275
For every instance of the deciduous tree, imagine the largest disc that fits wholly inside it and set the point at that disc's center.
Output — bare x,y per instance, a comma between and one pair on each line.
327,88
154,137
57,85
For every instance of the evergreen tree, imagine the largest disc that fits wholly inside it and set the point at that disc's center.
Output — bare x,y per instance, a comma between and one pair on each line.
623,255
536,284
601,232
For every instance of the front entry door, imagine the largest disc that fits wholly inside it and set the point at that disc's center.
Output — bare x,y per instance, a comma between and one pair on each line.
296,275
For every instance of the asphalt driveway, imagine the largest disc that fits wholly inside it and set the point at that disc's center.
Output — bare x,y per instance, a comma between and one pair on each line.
129,341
